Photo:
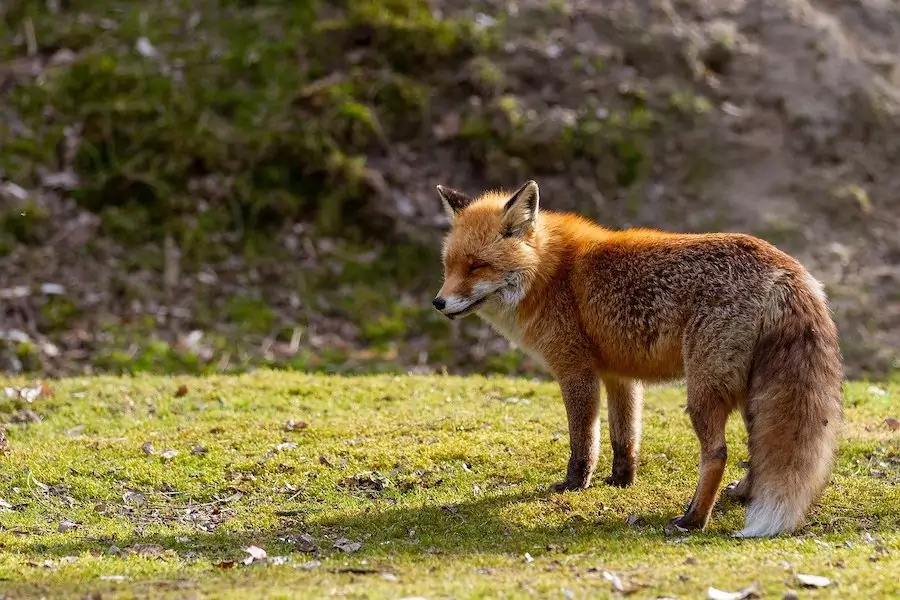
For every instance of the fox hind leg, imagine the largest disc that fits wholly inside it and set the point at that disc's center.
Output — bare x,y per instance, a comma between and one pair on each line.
739,491
708,411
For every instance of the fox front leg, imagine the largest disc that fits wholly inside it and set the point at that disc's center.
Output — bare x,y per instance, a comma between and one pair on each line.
624,400
580,395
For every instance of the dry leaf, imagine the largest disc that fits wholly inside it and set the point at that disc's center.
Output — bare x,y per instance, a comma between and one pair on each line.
751,591
892,423
147,448
28,394
46,564
145,48
285,446
813,581
293,425
614,580
237,495
181,391
26,415
169,454
54,289
346,545
225,564
255,553
112,577
66,526
136,498
304,542
199,450
146,549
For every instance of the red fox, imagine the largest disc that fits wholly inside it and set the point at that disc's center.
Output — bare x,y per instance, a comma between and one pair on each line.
744,325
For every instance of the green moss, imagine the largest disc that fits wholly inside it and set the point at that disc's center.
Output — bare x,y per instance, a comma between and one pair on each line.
486,76
58,313
250,314
856,194
230,97
28,355
688,103
781,232
405,32
23,224
442,481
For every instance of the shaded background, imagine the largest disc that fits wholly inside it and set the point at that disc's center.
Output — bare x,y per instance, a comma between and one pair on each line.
213,185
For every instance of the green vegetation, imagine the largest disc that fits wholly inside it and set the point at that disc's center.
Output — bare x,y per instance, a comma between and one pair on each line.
151,486
216,115
185,117
236,167
262,172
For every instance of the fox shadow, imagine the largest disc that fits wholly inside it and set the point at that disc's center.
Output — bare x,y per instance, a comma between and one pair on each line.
475,526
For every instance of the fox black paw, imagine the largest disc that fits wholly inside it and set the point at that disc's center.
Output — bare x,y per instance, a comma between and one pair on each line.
567,486
738,491
619,480
682,524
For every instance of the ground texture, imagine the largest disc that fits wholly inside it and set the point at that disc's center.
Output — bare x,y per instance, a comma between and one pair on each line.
288,485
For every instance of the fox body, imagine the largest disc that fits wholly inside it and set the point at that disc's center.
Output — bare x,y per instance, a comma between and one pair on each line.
743,324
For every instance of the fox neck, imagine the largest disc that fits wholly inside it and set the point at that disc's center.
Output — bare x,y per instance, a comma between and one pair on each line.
554,242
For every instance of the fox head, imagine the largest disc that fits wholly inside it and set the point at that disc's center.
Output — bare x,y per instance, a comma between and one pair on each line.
490,252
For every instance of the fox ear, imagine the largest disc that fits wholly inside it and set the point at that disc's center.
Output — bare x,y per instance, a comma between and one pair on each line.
453,200
521,210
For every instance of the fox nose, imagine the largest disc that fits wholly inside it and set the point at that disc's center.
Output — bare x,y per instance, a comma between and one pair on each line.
439,303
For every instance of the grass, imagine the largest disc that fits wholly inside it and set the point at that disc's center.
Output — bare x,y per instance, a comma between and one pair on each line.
440,479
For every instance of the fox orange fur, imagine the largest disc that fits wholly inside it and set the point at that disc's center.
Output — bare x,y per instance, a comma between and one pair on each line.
743,324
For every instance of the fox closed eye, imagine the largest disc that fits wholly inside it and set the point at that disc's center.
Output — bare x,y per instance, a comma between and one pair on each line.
477,266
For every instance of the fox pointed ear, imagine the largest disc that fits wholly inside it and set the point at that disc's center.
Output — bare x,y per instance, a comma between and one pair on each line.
521,210
454,201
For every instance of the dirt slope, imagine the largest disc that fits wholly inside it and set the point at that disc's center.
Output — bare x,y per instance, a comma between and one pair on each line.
774,117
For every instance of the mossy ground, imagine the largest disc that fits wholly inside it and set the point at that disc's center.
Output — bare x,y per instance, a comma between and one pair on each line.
440,479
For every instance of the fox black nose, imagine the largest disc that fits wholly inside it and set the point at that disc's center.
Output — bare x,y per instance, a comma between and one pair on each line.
439,303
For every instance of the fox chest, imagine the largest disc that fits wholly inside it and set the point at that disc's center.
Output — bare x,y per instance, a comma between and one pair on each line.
506,323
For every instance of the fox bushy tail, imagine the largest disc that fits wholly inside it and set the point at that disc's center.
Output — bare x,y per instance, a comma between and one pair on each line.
794,407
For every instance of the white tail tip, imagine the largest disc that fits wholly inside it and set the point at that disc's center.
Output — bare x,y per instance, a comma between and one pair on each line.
767,517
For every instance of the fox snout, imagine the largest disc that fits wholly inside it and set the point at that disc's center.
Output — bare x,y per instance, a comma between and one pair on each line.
440,303
454,306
